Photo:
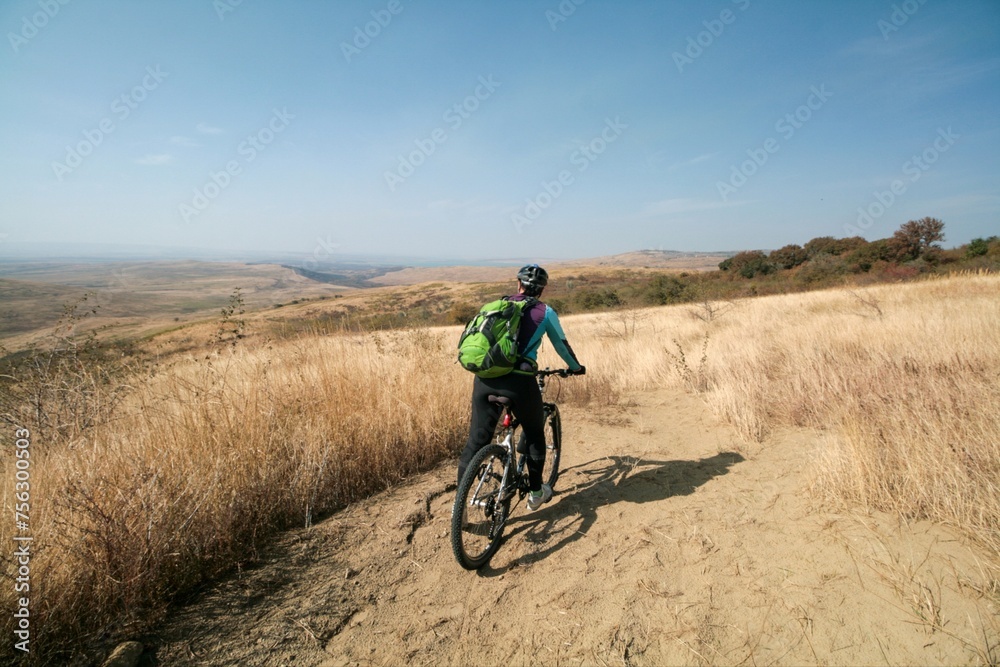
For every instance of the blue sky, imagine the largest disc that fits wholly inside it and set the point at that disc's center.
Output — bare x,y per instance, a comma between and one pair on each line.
483,130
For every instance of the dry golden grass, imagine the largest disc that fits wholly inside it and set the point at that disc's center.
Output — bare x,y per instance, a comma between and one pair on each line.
205,459
904,376
209,457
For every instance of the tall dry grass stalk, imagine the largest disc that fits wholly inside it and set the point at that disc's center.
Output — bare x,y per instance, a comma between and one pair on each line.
206,460
906,376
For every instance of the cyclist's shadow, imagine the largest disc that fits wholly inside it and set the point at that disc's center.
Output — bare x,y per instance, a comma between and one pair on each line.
584,488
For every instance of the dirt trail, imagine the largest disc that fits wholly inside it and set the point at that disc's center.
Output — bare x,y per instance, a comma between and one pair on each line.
663,545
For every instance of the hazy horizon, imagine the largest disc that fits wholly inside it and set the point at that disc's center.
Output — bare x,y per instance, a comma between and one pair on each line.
34,252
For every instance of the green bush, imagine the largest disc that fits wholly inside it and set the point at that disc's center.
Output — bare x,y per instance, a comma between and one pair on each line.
821,245
666,289
864,258
822,268
827,245
749,263
789,256
977,248
592,299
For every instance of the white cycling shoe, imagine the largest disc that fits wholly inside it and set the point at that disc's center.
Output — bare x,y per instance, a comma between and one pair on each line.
544,496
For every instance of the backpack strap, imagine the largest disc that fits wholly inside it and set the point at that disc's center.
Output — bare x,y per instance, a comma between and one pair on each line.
528,302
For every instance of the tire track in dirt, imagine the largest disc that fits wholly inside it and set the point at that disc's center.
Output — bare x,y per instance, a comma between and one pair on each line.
668,542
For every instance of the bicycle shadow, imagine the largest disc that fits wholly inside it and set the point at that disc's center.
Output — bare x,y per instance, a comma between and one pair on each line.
619,479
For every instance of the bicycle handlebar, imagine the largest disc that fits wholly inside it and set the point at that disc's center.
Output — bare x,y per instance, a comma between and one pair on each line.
561,372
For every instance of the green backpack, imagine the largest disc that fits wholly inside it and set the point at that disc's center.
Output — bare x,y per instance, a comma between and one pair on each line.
488,346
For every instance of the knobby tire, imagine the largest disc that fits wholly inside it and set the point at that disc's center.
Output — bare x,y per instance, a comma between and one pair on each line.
477,522
553,444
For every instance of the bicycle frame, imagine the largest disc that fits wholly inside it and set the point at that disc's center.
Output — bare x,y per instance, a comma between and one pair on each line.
505,438
495,477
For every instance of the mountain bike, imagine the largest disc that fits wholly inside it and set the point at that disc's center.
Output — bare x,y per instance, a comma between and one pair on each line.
495,476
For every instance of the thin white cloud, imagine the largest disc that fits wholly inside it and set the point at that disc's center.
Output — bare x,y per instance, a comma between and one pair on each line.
184,141
470,207
449,205
693,161
154,160
659,157
205,128
975,201
877,47
917,64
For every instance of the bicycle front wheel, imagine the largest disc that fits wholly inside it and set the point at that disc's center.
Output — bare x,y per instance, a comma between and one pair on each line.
480,512
553,444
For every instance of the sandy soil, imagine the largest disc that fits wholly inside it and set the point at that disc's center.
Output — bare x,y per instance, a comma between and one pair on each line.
668,542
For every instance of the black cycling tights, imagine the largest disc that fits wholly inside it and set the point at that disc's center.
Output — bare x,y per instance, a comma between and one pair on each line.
526,402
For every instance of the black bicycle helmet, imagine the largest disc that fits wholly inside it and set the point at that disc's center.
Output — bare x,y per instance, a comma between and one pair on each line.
534,278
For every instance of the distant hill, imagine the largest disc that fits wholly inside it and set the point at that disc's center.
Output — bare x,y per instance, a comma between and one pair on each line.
348,278
649,259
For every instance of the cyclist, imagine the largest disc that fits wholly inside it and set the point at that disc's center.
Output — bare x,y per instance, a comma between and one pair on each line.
519,385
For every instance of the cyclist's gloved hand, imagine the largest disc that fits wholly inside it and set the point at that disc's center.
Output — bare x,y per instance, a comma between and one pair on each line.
581,371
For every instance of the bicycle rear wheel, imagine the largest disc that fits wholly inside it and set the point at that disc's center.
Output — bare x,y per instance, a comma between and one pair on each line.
553,444
478,516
